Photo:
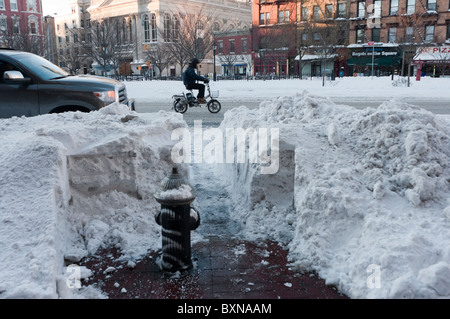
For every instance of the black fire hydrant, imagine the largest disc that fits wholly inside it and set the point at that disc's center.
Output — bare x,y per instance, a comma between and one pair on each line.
177,219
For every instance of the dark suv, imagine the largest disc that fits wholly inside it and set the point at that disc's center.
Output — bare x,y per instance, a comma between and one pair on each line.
31,85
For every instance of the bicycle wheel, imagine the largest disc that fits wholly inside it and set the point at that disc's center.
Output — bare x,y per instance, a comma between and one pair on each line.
214,106
180,107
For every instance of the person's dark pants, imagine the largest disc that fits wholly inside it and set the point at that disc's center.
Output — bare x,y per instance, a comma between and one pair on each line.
199,87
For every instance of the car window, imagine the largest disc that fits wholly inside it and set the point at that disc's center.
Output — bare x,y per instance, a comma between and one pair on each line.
5,66
41,67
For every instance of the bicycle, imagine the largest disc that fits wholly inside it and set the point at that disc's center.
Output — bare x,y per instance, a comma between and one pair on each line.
182,101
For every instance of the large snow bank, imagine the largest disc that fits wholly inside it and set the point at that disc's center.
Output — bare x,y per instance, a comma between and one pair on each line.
368,208
70,183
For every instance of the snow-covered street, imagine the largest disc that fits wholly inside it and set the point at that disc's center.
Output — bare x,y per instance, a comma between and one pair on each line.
360,197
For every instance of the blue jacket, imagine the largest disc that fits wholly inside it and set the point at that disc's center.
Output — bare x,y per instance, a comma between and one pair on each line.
189,76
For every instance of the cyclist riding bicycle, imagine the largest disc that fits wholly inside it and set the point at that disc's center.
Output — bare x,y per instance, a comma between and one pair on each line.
190,77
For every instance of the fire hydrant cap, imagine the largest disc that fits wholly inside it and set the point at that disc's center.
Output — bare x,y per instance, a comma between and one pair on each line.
175,190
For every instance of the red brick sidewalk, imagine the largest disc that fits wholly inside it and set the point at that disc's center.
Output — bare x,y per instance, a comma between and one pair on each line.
222,270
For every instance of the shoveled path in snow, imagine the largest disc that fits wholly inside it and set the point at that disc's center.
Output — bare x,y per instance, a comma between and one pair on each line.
225,265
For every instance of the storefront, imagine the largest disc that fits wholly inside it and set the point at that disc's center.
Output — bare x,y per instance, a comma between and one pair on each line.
315,65
384,59
433,61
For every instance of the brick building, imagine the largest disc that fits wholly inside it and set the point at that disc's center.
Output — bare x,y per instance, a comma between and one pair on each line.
274,36
233,53
21,25
341,36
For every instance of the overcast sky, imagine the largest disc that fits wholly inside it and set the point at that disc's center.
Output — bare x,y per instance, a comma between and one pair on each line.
54,6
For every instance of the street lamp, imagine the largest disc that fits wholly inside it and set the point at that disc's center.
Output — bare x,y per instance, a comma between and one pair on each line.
214,52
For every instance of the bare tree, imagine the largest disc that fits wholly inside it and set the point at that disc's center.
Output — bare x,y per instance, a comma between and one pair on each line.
20,38
324,33
414,22
159,55
191,35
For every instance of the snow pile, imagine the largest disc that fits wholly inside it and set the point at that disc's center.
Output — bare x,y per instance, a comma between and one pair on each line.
71,183
370,205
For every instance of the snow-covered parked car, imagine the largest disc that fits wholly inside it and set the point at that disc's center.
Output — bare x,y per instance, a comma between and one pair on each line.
31,85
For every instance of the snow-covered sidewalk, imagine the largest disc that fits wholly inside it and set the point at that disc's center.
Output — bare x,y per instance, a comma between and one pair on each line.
361,196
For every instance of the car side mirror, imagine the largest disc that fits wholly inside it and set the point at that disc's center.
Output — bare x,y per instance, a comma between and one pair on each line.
15,77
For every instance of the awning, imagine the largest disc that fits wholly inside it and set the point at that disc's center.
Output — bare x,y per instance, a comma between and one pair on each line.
435,55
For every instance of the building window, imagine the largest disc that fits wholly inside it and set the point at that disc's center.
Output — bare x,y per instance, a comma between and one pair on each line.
305,14
361,9
393,10
146,29
329,11
376,35
16,25
244,45
232,47
31,5
341,10
448,31
33,25
154,28
392,36
429,33
316,13
283,16
220,51
2,4
432,5
3,24
360,34
377,8
13,5
409,34
410,6
264,18
130,28
167,27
